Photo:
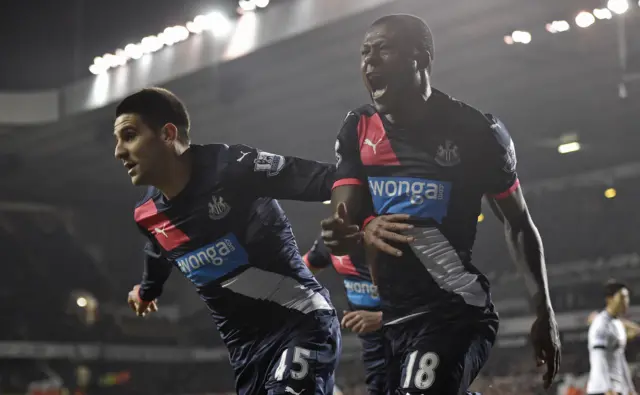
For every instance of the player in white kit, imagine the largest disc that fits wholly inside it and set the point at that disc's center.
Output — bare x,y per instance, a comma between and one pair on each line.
609,372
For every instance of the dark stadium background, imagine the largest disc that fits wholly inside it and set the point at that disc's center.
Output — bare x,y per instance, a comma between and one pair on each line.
66,227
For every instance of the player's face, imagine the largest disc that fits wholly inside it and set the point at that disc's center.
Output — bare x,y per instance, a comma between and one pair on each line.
621,300
141,149
389,68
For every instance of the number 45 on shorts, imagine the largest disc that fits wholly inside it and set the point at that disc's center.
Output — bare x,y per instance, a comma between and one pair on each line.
420,370
297,366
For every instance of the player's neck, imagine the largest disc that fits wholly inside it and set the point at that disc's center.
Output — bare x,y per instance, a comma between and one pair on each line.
611,311
177,175
412,110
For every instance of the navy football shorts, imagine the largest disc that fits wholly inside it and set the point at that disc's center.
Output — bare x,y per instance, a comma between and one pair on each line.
300,359
373,359
436,360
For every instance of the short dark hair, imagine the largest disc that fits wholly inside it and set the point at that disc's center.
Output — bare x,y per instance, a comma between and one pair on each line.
157,107
414,31
612,287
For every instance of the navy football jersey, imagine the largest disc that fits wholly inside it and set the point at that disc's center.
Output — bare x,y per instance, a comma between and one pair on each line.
361,292
230,238
437,172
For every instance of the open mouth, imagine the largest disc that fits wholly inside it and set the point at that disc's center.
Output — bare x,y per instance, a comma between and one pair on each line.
130,167
378,85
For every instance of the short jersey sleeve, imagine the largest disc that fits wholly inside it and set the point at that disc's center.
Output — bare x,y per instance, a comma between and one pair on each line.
265,174
318,255
349,167
500,158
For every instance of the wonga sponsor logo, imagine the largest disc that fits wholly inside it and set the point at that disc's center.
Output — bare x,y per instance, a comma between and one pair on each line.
362,293
213,261
417,197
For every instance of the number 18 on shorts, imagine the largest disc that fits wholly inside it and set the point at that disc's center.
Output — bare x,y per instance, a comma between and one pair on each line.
419,371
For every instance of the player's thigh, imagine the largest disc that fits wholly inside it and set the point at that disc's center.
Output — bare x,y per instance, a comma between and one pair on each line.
442,363
373,360
307,361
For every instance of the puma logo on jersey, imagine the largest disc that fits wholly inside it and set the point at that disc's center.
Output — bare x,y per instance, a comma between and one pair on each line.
290,390
161,231
372,144
243,155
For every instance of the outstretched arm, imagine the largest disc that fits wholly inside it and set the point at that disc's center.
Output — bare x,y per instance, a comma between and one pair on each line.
281,177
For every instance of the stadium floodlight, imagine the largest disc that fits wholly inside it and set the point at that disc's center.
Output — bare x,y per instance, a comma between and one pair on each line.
602,13
480,217
98,61
610,193
618,6
168,36
110,60
261,3
585,19
569,147
521,37
133,51
558,26
151,44
247,5
217,23
96,69
181,33
121,58
194,27
81,301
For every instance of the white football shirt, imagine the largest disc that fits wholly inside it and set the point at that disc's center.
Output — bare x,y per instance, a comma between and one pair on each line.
607,344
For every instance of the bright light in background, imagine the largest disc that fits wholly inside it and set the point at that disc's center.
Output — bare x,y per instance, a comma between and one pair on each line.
97,70
99,66
480,217
558,26
610,193
618,6
602,13
247,5
134,51
261,3
81,301
569,147
181,33
217,23
151,44
244,36
327,202
121,58
521,37
585,19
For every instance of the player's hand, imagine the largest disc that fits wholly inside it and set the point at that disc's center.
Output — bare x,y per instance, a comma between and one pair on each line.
546,343
139,306
383,229
611,392
339,237
362,321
